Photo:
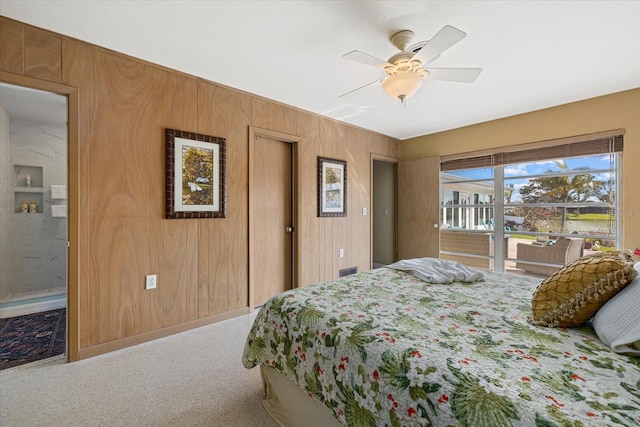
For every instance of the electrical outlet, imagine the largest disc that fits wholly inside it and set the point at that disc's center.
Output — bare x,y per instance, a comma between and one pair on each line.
364,211
150,282
341,253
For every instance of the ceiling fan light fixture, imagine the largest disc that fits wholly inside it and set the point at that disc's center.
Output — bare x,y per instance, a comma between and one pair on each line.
402,86
405,70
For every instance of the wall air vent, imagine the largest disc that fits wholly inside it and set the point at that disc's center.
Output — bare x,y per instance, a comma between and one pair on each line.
348,271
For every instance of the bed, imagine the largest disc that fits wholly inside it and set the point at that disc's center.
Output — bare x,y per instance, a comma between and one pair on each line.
385,348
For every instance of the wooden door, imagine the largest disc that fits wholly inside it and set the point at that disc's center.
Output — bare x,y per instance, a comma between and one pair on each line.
272,217
419,208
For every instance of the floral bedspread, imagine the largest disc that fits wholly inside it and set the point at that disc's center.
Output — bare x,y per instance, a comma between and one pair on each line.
382,348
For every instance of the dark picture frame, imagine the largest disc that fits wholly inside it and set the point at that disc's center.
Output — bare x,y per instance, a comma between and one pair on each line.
195,175
332,187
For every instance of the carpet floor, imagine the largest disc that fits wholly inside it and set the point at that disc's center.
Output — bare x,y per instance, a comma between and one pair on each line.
32,337
191,379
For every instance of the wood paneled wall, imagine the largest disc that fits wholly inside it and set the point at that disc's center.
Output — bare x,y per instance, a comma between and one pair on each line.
202,264
419,208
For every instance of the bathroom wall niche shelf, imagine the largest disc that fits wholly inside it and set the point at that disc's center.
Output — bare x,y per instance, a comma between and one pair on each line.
29,196
28,193
28,189
20,173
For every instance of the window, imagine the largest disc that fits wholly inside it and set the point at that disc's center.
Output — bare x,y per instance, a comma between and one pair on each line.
561,194
467,197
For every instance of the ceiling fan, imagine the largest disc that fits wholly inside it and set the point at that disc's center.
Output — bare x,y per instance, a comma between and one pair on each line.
407,69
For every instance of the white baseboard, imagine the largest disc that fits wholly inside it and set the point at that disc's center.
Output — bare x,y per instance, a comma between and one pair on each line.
33,305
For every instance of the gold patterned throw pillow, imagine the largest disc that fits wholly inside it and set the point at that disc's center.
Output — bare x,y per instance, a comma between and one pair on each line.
573,294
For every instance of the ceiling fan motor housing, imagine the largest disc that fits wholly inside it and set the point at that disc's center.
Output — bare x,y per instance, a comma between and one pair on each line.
402,39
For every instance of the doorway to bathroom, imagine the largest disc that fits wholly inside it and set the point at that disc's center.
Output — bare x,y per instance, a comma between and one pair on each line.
33,220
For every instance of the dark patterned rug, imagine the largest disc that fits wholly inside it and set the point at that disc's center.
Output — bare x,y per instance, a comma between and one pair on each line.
26,339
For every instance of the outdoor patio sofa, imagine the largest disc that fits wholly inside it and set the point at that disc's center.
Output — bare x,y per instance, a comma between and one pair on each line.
469,243
563,251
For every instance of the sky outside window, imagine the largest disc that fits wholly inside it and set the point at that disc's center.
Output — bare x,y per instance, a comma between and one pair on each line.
518,175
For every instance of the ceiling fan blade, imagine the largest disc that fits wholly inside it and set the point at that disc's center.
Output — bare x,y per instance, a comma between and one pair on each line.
354,92
443,40
463,75
365,58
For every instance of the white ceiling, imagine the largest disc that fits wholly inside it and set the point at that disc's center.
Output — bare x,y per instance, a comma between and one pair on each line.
534,54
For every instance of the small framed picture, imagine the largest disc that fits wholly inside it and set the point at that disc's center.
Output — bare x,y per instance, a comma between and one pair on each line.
332,187
195,175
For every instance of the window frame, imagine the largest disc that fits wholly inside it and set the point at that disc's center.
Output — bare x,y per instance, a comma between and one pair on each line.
609,143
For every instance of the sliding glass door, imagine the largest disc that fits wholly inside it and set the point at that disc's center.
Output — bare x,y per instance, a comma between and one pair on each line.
547,205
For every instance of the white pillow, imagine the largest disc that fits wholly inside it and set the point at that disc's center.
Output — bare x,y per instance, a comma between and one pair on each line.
617,322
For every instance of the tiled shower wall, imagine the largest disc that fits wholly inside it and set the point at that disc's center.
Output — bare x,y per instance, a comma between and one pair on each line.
34,245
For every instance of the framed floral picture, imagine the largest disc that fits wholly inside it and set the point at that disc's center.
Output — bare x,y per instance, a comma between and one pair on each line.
195,175
332,187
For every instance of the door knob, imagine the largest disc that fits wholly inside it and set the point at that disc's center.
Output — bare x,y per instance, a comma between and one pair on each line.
288,229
